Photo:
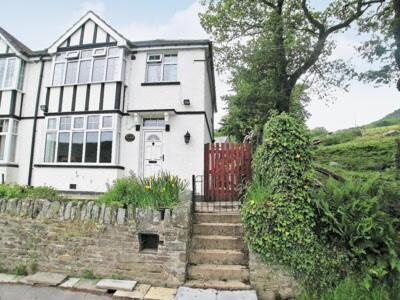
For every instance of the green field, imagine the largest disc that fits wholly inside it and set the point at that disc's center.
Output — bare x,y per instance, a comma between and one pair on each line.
360,151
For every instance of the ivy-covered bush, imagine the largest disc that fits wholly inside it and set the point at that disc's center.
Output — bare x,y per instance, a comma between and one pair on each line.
280,221
160,191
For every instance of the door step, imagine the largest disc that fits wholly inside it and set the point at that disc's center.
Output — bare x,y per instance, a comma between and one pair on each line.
226,229
233,218
219,272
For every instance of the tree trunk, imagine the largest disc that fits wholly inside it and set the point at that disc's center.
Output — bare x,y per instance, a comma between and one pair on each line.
396,33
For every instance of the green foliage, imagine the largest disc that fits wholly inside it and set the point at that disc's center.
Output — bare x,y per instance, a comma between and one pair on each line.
342,136
20,270
351,215
16,191
117,276
89,274
278,215
3,269
160,191
352,288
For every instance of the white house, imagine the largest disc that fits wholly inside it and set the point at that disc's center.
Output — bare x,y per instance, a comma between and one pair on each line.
95,106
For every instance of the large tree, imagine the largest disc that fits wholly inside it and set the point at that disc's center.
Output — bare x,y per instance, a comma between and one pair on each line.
296,39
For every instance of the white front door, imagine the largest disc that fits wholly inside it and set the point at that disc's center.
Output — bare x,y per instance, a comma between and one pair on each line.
153,153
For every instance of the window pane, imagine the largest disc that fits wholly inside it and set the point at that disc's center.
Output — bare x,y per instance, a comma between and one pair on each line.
106,146
65,123
170,58
58,74
50,149
93,122
3,125
2,146
107,122
153,122
114,51
91,147
78,122
21,75
52,123
112,68
153,72
2,69
72,68
60,57
15,127
63,147
98,70
170,72
10,72
77,147
84,71
13,147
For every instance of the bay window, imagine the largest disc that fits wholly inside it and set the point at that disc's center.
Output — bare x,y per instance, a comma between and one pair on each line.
8,139
162,67
81,139
88,66
11,73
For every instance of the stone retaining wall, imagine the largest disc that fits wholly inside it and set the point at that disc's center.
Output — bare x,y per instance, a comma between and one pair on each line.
72,236
271,282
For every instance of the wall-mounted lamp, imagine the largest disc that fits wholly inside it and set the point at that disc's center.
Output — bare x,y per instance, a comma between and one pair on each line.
136,121
43,108
187,137
186,102
166,120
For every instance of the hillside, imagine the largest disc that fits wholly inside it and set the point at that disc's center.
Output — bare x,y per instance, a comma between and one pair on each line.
361,150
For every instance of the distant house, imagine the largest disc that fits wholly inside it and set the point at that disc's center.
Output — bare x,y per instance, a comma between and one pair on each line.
95,106
221,139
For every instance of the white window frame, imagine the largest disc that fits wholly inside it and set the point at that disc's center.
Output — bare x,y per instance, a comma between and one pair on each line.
106,56
163,63
17,76
7,145
115,129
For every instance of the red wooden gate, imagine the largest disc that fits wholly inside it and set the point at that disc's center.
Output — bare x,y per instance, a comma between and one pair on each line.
226,167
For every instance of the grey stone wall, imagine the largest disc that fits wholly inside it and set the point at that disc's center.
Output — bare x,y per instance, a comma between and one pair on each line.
72,236
271,282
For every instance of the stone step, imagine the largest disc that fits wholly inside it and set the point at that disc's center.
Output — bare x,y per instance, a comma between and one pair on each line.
226,229
220,242
218,257
218,206
230,285
218,272
217,218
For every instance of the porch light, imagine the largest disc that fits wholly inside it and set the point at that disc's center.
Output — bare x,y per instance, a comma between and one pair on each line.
187,137
136,121
166,120
43,108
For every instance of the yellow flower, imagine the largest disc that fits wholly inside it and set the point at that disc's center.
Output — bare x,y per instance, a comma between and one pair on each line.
162,190
147,187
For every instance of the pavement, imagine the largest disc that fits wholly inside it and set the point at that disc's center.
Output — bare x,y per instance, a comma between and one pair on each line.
27,292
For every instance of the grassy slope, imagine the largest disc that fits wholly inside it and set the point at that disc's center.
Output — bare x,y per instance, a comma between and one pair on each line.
360,151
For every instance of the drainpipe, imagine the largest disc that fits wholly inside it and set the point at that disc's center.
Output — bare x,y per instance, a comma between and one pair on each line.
35,120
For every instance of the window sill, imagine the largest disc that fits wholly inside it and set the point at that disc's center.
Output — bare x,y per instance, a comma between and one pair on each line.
79,166
161,83
9,165
81,83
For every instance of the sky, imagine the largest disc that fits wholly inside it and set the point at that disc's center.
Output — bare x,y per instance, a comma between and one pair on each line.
39,23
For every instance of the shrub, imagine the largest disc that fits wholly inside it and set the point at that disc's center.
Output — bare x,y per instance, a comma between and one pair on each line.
89,274
160,191
352,215
20,270
16,191
278,215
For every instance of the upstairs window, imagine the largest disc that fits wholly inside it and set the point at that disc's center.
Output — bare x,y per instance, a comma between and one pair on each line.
162,68
88,66
11,73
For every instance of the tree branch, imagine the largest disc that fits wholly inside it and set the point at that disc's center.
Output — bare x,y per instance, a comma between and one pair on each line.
269,3
310,17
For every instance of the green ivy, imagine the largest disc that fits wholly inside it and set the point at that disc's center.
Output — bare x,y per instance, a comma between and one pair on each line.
280,222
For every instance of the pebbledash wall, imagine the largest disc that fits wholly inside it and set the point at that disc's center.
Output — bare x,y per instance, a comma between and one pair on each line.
71,237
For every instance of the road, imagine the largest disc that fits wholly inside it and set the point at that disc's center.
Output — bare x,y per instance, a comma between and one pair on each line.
26,292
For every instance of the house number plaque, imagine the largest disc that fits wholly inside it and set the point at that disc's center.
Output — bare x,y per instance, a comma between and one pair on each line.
129,137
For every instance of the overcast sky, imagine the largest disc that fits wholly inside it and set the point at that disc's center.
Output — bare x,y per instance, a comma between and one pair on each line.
39,23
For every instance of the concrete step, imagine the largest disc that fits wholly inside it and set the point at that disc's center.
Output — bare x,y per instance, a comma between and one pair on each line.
230,285
220,242
217,218
218,257
218,272
218,206
226,229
